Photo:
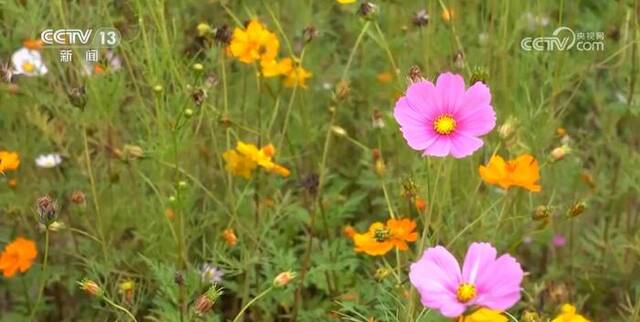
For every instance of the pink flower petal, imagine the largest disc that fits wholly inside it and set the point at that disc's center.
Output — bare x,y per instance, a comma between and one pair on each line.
463,145
414,126
424,97
451,88
475,114
480,256
498,285
439,147
436,276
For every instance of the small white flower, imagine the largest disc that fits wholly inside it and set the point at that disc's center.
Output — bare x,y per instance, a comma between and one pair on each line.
48,160
28,62
211,274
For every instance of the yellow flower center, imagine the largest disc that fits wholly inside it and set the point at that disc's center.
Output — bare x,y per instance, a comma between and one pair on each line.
444,124
382,235
28,67
466,292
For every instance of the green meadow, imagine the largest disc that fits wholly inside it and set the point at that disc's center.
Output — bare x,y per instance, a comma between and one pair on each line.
180,177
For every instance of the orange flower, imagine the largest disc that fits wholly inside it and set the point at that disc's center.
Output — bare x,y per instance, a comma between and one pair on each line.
381,238
230,237
33,44
522,172
348,231
17,256
420,203
384,77
402,231
9,161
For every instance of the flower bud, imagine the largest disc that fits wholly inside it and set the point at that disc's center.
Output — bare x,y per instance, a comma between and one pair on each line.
558,153
530,316
577,209
230,237
91,287
203,29
338,131
283,278
205,302
198,67
157,88
188,113
479,74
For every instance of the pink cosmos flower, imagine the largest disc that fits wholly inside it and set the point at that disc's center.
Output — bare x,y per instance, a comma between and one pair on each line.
445,119
484,281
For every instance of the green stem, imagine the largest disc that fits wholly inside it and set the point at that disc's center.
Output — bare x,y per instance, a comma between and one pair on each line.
244,308
42,272
133,318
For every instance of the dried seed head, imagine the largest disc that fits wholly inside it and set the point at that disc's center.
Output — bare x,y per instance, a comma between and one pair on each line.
78,97
342,90
225,121
310,183
178,278
309,33
377,119
420,18
198,96
414,75
211,81
368,10
223,35
78,197
541,212
409,188
47,210
283,278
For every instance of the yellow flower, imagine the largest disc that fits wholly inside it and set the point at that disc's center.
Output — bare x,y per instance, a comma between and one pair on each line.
246,157
9,161
522,172
274,67
568,314
381,238
238,165
253,43
484,315
297,77
345,1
